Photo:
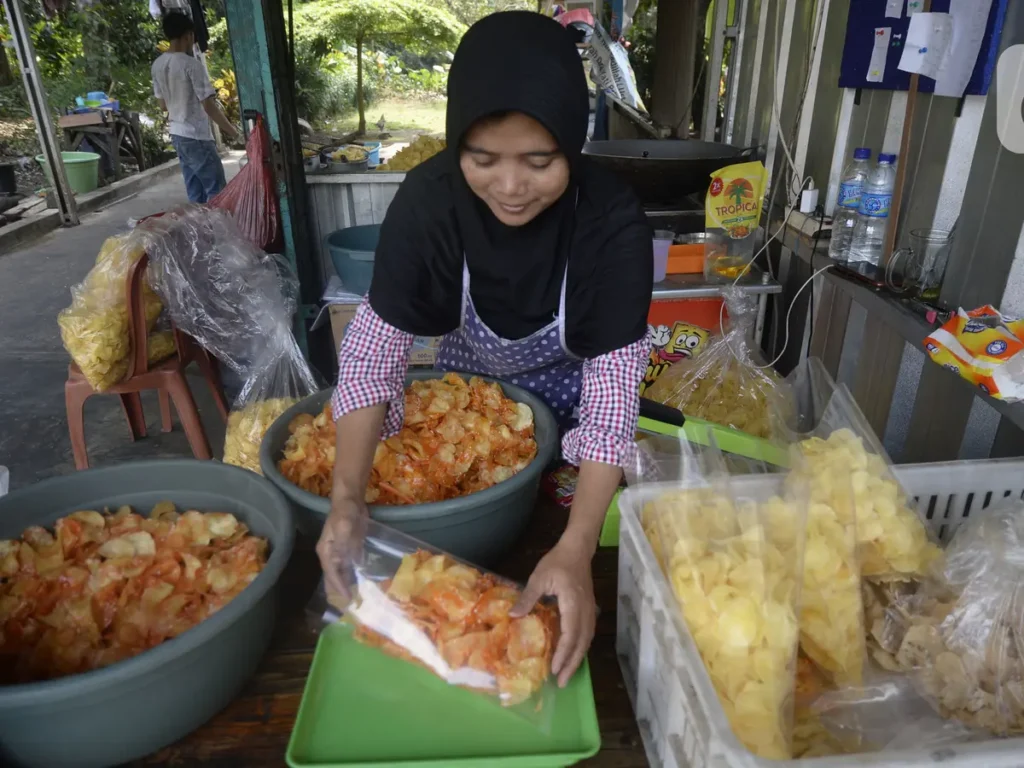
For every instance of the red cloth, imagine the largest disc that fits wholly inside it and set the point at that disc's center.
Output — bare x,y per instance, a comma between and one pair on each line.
251,197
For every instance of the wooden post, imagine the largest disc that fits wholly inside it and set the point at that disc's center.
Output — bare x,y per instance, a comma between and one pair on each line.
672,89
901,166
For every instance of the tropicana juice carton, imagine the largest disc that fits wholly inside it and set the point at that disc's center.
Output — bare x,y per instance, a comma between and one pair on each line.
732,212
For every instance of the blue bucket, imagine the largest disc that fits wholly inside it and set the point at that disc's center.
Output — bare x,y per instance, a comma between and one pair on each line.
352,250
373,152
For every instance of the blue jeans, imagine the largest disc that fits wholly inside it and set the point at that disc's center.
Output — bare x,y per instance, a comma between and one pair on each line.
201,167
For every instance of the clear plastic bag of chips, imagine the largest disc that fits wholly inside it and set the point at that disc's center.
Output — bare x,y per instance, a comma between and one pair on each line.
850,471
959,634
726,383
424,606
732,551
279,379
94,328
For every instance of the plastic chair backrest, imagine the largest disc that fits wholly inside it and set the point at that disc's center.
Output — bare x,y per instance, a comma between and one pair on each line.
138,334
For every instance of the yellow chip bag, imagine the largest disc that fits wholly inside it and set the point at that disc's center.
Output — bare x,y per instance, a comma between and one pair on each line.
982,346
732,212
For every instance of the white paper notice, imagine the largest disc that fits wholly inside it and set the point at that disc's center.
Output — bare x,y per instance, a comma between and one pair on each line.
914,6
927,43
876,67
894,9
970,17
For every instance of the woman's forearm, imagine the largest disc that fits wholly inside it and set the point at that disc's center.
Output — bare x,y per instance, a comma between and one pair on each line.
358,433
595,488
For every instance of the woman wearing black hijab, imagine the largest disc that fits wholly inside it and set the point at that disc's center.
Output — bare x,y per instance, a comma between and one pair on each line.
536,268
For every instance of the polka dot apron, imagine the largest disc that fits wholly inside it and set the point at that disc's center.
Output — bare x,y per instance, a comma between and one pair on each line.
541,362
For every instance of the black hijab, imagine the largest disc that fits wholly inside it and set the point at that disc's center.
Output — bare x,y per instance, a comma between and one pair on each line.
524,62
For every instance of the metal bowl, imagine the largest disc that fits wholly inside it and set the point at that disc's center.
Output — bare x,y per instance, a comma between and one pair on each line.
479,527
127,710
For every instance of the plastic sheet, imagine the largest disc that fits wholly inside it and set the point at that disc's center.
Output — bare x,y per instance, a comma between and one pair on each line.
724,384
733,558
238,303
94,329
422,605
219,288
959,635
251,197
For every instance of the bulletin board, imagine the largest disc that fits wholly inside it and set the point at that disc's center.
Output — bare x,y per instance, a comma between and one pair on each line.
863,27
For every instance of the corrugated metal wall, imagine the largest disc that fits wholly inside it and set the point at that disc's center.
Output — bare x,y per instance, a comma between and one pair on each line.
958,172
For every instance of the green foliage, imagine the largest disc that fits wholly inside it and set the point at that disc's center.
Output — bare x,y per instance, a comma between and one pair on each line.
326,87
641,50
416,25
470,11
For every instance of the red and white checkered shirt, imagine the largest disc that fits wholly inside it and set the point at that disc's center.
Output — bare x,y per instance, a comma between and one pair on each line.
374,358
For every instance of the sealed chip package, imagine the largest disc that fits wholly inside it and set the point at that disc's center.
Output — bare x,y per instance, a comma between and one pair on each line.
419,604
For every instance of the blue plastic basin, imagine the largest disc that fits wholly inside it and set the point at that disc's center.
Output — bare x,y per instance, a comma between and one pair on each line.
352,252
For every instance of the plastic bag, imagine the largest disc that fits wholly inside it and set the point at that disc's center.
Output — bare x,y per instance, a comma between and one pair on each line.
218,287
887,714
278,380
251,196
724,384
420,604
960,634
733,556
849,471
94,329
859,523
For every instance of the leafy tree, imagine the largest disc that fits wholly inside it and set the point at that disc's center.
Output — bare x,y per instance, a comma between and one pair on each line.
415,24
471,11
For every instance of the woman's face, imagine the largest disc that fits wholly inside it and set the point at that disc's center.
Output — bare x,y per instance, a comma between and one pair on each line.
515,166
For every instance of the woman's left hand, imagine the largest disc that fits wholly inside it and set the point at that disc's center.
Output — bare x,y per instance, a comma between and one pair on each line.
564,573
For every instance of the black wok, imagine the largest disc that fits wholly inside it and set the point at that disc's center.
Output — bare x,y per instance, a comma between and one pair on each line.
665,171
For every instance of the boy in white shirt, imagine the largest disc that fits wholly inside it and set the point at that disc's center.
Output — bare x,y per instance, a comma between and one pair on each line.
183,88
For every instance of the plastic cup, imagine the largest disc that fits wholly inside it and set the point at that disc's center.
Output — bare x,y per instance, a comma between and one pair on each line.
662,241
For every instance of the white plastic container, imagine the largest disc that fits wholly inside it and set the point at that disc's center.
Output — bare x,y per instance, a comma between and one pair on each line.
681,721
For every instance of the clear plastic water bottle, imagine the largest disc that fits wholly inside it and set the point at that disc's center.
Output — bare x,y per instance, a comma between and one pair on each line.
845,214
873,214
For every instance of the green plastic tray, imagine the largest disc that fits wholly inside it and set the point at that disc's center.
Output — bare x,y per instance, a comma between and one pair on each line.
364,708
696,431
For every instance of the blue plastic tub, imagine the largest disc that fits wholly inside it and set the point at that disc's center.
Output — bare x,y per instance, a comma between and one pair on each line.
372,152
352,252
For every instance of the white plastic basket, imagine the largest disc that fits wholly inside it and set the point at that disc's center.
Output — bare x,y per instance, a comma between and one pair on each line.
681,721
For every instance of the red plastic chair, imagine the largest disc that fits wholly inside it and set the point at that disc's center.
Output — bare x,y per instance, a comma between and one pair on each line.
167,377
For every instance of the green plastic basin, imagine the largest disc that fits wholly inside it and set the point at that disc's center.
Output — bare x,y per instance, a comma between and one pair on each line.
480,527
82,169
130,709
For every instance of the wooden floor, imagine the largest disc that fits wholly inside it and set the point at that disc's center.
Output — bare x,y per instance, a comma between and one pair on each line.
253,731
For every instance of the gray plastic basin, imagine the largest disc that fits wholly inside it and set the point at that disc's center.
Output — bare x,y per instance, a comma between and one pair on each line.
479,527
127,710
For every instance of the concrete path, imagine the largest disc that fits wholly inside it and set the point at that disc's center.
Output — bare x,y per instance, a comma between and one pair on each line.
35,285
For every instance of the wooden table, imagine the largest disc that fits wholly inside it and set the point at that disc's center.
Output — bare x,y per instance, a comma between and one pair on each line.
253,731
112,134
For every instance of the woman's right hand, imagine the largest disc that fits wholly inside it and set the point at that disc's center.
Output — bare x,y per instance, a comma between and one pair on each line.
341,542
